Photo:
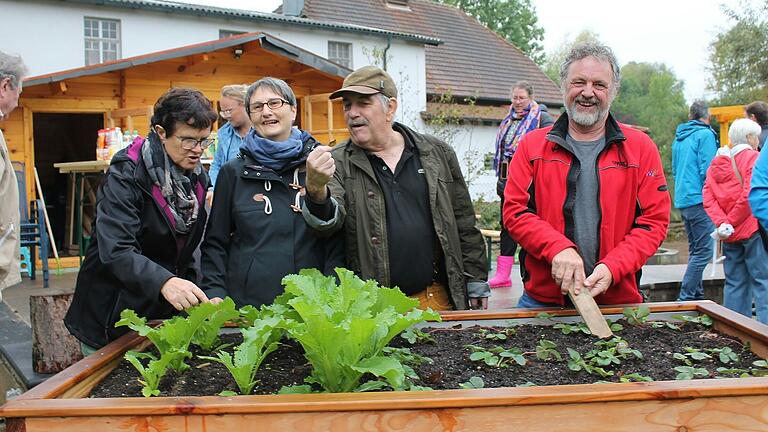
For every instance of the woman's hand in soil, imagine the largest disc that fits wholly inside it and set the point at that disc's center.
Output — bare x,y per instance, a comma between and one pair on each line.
568,271
182,294
599,281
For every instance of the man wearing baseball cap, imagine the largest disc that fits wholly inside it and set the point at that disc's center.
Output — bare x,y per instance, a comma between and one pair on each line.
400,198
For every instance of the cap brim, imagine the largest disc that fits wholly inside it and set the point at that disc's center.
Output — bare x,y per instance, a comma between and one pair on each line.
353,89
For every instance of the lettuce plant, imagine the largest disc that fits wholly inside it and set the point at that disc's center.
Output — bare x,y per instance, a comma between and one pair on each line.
258,341
344,328
207,335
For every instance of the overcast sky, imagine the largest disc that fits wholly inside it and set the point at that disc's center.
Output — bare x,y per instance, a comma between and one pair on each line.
674,32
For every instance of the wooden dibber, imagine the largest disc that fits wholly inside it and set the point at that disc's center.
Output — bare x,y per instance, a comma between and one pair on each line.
591,314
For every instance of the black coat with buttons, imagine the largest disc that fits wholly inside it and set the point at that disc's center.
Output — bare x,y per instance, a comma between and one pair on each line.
256,234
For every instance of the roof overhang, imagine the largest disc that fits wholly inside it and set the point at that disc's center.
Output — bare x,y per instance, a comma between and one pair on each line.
266,41
247,15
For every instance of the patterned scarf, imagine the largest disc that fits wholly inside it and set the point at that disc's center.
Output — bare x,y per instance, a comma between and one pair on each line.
276,155
174,183
506,143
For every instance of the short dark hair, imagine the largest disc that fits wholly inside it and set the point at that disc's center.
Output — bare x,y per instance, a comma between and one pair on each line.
524,85
183,105
759,109
699,110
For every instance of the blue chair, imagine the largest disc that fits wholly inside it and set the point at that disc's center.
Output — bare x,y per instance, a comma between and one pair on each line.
32,226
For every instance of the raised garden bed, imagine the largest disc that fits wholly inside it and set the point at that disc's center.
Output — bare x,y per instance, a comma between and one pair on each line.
731,404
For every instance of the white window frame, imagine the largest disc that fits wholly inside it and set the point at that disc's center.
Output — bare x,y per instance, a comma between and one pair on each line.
335,55
102,40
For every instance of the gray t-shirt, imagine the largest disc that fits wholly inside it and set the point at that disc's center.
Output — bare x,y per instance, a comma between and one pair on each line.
586,209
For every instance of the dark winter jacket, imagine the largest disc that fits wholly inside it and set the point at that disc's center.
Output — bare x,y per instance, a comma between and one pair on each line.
633,200
133,252
256,234
359,209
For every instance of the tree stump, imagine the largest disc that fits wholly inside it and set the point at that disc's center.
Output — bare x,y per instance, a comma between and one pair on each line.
53,347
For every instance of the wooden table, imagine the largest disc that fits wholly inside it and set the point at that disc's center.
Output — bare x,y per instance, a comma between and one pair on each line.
78,172
490,236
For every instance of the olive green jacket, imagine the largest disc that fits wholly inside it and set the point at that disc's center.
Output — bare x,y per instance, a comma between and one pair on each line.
10,274
360,209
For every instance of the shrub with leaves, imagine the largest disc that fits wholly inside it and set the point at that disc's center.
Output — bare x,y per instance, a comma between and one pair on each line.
344,328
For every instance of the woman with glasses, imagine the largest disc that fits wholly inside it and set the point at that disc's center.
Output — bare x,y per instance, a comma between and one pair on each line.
149,220
256,234
229,137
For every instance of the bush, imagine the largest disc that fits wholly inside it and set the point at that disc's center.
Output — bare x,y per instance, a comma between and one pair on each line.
489,212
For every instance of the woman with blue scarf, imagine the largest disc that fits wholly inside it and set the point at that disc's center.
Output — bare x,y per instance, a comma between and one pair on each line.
524,116
256,233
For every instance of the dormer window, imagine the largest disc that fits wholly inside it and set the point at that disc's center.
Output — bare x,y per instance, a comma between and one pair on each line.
398,4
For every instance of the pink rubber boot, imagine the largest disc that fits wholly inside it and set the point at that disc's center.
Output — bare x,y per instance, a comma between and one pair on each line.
503,268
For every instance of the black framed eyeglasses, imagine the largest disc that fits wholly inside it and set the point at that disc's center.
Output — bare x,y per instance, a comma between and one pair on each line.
273,104
191,143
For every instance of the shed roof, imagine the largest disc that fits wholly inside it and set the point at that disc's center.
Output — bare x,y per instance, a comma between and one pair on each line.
266,41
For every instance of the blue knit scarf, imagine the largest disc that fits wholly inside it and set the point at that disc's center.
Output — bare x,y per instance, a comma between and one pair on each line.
275,155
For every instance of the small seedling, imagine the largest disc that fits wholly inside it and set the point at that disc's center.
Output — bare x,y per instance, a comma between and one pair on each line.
690,354
741,373
662,324
474,383
634,377
414,335
577,363
637,316
497,336
689,372
544,316
762,368
573,328
702,319
726,355
614,326
545,351
497,356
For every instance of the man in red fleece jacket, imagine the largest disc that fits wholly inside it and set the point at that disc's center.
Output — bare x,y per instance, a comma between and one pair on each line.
586,198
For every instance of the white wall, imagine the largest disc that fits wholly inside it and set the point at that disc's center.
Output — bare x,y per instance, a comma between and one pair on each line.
49,36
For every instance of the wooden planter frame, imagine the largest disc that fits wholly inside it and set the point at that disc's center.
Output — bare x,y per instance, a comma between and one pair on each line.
734,404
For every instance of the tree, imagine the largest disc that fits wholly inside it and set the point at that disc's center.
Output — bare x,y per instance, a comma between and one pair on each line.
514,20
738,60
652,96
555,58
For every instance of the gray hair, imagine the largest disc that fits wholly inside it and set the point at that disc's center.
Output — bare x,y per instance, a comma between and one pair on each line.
524,85
235,91
740,129
699,110
12,67
384,102
280,87
591,49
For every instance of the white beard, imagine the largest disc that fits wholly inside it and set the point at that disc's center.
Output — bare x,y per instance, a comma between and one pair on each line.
583,118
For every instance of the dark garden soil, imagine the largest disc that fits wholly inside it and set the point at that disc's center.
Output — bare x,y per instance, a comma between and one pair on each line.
452,366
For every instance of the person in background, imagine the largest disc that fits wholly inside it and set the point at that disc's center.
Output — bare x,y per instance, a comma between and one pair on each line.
231,136
149,221
693,149
400,199
758,193
758,112
12,71
524,116
726,201
586,199
256,234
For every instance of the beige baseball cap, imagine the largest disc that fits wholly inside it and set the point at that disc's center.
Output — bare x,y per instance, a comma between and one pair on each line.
367,80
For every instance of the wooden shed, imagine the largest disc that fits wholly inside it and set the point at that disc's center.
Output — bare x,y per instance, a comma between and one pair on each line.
60,114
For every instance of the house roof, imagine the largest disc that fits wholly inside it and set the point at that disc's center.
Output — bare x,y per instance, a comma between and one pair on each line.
472,61
212,11
266,41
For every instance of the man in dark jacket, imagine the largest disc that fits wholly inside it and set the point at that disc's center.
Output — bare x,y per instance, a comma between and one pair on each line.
401,199
586,198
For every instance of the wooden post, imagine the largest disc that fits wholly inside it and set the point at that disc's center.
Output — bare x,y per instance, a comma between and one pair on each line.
53,348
